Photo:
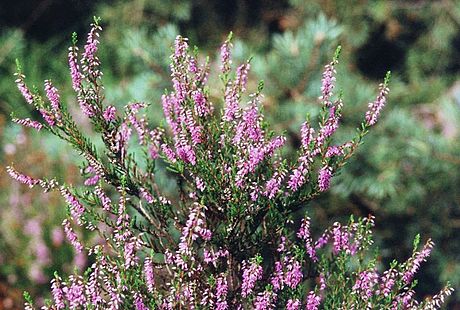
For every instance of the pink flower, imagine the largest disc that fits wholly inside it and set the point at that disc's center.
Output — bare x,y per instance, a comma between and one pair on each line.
33,227
313,301
388,281
139,303
180,49
225,57
414,262
377,105
327,83
53,96
58,294
273,145
130,248
27,122
200,185
170,105
277,280
273,185
249,127
49,118
72,236
293,304
304,234
92,180
233,92
193,128
41,252
306,133
324,178
340,237
334,151
404,301
365,283
322,241
76,208
169,154
122,137
201,106
186,153
23,88
22,178
149,275
252,272
282,246
293,274
322,282
145,194
194,228
299,175
80,260
36,274
264,301
242,77
232,108
221,293
86,106
109,113
89,59
75,73
75,293
154,141
105,200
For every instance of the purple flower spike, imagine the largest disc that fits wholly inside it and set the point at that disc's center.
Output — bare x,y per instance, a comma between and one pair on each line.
27,122
75,73
225,56
324,178
252,272
109,113
76,208
53,96
376,106
22,178
23,88
72,236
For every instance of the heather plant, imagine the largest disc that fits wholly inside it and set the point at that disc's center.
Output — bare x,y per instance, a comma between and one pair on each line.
228,238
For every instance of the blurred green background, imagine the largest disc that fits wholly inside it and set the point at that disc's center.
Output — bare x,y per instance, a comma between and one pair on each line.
407,173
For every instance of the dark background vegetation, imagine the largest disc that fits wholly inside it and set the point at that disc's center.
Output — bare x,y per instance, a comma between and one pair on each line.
406,174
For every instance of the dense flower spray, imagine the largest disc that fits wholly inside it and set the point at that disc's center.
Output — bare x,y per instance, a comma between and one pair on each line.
227,239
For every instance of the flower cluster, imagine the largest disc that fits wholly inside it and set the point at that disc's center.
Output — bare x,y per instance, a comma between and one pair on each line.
252,272
226,240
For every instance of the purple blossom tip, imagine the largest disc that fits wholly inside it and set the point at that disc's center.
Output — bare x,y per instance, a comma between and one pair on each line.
49,118
22,178
89,59
27,122
377,105
72,236
53,96
225,56
324,178
252,272
26,93
75,73
76,208
327,83
109,113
